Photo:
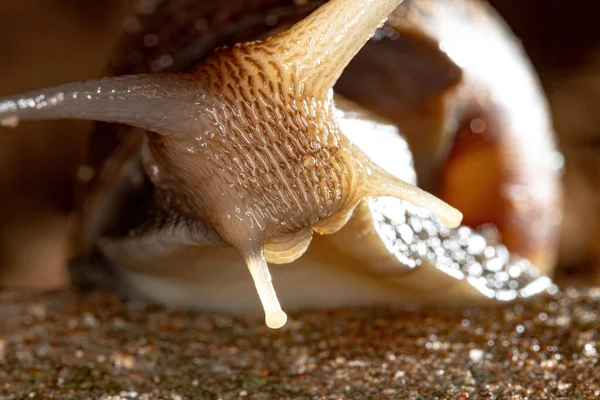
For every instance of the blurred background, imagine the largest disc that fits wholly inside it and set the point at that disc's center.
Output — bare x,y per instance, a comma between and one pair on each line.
46,42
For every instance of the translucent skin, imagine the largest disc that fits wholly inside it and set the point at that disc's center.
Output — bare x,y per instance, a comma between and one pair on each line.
247,142
275,159
414,73
256,117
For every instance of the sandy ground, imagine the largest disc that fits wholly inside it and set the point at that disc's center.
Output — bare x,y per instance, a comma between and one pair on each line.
72,346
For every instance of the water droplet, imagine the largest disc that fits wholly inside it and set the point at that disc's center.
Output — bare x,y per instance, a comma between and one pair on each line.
271,20
476,355
150,40
478,125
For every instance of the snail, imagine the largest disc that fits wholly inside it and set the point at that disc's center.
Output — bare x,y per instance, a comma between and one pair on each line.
283,132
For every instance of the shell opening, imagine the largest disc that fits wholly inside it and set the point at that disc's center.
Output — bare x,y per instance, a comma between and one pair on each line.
275,318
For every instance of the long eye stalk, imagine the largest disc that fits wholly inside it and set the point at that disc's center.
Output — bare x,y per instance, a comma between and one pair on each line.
162,103
317,49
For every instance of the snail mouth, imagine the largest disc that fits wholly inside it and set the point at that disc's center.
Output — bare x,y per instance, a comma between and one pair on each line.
284,249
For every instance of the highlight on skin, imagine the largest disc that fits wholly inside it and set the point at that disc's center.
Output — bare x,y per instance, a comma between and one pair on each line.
255,124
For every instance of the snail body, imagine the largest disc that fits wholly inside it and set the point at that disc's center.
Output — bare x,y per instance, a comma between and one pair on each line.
248,151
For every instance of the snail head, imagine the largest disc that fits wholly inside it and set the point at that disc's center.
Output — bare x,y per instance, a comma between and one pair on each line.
247,140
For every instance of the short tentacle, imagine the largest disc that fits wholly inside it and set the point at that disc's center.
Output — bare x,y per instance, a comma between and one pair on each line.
383,184
275,318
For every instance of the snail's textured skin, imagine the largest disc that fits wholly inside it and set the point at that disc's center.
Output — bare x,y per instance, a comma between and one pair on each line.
273,155
495,86
412,77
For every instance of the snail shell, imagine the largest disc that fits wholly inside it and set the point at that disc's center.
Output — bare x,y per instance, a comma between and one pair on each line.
249,148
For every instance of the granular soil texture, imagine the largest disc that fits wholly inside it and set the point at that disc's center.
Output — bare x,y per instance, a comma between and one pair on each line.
70,345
